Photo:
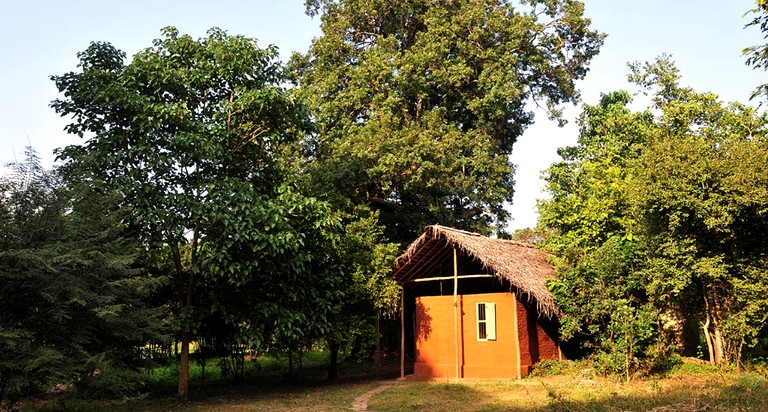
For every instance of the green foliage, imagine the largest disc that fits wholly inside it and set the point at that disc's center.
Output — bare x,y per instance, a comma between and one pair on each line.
196,136
74,294
757,55
113,383
689,367
371,260
598,288
700,191
588,200
419,103
656,220
551,367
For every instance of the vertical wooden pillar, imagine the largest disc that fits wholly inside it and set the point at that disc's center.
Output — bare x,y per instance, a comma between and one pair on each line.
517,336
402,332
456,310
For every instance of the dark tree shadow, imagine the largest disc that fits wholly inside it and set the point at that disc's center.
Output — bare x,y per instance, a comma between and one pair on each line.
423,322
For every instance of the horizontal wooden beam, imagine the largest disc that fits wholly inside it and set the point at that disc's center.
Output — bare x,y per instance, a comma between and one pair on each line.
448,278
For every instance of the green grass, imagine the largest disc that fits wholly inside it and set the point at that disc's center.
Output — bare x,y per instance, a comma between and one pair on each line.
247,397
568,387
705,391
266,387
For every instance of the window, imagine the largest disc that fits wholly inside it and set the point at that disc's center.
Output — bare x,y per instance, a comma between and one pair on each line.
486,321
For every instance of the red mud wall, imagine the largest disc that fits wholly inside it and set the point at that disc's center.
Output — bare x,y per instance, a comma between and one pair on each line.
537,338
435,340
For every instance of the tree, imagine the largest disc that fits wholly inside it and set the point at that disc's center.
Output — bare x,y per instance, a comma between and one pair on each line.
757,55
699,191
192,134
74,292
587,188
661,209
599,290
418,103
370,293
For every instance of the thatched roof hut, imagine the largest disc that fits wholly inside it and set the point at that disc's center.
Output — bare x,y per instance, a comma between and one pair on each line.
522,265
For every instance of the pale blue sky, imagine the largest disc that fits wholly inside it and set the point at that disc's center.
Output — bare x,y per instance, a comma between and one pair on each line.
41,38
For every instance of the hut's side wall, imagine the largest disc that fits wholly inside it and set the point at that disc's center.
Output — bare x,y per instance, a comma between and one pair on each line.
435,340
537,338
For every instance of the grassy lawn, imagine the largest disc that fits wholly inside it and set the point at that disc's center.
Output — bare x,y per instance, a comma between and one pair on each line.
285,397
679,392
266,389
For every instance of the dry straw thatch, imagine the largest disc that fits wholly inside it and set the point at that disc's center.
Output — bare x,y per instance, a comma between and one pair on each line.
522,265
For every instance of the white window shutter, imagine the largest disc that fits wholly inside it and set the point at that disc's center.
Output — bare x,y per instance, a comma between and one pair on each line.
490,321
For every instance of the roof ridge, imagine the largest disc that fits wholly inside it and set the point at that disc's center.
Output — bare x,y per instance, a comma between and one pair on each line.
468,233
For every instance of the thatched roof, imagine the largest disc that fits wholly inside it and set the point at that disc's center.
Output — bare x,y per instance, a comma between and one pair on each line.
522,265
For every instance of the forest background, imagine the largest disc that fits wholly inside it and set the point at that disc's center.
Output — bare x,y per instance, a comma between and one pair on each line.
224,198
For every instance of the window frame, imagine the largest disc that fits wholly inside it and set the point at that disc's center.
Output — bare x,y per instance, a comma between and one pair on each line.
485,321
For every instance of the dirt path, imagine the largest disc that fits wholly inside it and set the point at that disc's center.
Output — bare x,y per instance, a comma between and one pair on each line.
360,403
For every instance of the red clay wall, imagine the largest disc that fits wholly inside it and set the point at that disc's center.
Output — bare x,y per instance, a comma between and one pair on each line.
435,342
537,341
435,352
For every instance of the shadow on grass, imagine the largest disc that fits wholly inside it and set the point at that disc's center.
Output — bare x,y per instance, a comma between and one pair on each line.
266,387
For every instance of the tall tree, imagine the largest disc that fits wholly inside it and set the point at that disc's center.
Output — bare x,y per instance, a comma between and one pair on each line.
661,209
699,191
74,294
418,103
757,55
591,230
191,134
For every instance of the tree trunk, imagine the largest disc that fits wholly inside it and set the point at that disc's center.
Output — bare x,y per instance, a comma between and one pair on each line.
712,332
184,366
378,354
333,365
719,345
185,283
708,339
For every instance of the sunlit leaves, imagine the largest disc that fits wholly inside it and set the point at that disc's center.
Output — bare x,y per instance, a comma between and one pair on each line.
419,103
685,182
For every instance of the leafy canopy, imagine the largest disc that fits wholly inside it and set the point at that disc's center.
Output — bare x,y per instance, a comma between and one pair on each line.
418,103
196,137
659,211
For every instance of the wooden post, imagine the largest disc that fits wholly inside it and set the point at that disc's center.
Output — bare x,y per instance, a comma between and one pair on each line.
456,309
402,333
517,337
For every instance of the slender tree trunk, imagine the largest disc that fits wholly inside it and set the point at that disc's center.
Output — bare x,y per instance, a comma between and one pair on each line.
184,366
712,332
185,283
719,345
333,365
708,339
378,354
